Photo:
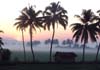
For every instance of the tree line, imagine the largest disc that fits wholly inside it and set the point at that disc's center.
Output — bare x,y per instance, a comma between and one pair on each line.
54,15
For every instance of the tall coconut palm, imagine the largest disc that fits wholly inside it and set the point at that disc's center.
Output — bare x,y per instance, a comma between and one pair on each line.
54,14
85,30
33,22
98,24
20,25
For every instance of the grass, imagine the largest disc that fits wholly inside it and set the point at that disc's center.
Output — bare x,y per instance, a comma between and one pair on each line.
37,62
17,64
50,66
43,56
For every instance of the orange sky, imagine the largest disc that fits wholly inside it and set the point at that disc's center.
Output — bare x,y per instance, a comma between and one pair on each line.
11,32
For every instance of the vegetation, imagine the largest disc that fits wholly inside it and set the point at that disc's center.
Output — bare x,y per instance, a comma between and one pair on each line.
55,41
35,43
68,41
20,26
88,27
54,14
33,21
85,30
98,25
4,53
1,43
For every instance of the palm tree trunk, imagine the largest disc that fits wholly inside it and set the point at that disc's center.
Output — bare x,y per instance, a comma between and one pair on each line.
31,43
97,53
23,46
83,57
52,45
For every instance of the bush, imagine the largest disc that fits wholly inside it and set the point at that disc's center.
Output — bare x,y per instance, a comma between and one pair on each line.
5,55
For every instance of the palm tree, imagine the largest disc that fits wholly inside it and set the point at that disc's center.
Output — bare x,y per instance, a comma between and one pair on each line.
98,24
1,42
53,15
20,25
86,29
33,22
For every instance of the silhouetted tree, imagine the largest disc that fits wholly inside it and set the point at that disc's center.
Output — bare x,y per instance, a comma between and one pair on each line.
36,42
76,45
56,41
20,25
67,42
85,29
47,41
54,14
5,54
33,21
64,42
1,42
98,25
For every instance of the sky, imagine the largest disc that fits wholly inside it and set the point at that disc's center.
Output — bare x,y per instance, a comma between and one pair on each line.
10,9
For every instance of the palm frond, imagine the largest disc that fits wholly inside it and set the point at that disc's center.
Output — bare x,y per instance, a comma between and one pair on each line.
1,31
80,18
62,10
55,14
48,8
24,9
46,13
92,36
76,26
1,42
64,16
38,12
63,23
95,18
84,36
98,11
77,35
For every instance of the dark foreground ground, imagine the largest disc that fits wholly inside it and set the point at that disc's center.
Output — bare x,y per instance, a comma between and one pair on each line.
50,66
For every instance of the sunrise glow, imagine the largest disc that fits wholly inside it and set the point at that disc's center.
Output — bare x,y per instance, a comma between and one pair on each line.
10,9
